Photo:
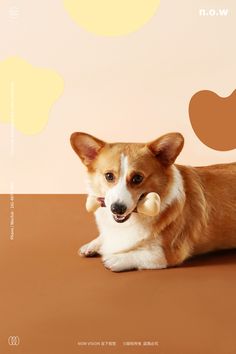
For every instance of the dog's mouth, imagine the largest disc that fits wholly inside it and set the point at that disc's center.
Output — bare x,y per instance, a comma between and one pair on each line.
121,218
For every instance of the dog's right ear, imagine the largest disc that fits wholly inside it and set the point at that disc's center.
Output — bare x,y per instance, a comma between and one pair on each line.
86,146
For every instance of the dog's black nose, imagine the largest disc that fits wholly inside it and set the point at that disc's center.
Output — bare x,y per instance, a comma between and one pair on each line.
118,208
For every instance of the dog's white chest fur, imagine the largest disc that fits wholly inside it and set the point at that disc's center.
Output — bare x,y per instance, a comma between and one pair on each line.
120,237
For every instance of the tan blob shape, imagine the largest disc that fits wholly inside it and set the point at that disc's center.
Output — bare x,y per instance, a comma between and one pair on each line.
213,119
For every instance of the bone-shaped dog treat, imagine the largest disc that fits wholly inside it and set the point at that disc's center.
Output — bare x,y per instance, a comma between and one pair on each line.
93,203
148,205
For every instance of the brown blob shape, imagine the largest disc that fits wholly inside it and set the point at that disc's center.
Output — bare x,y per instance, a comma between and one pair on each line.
213,119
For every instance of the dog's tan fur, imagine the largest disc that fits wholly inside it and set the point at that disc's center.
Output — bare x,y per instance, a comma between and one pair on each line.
206,220
201,219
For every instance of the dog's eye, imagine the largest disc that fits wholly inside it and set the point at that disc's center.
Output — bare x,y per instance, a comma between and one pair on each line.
109,176
136,179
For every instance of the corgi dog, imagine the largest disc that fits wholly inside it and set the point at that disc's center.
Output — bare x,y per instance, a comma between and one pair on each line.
197,211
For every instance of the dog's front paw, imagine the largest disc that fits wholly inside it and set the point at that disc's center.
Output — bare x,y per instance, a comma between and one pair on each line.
117,262
89,249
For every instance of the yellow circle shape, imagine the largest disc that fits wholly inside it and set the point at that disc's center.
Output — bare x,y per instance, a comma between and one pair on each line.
111,17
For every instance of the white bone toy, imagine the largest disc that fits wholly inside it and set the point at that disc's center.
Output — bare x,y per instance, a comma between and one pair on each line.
149,205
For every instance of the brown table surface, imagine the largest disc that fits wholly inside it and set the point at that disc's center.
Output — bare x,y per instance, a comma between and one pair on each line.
53,300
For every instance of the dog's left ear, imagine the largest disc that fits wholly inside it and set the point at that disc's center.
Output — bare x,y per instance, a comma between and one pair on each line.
167,147
86,146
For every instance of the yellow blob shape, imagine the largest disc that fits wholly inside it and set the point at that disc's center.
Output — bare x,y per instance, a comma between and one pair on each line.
27,94
111,17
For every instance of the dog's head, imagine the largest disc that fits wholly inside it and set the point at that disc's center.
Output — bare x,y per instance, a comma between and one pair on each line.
123,172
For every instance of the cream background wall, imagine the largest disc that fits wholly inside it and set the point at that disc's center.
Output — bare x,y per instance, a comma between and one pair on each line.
133,87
